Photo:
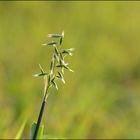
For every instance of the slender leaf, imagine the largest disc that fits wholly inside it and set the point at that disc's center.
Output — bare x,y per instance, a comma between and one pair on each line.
21,129
40,132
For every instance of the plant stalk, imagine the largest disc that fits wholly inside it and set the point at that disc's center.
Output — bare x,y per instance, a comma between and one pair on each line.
40,115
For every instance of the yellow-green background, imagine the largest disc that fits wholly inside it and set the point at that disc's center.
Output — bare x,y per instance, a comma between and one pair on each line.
102,98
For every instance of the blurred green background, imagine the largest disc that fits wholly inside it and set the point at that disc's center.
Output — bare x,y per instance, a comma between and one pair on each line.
102,98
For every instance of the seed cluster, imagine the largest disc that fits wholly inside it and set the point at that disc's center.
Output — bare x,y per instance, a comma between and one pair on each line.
58,64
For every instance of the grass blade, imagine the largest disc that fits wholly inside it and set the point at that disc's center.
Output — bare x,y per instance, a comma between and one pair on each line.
21,129
40,132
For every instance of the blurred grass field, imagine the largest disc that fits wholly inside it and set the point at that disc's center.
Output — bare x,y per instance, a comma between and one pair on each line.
102,98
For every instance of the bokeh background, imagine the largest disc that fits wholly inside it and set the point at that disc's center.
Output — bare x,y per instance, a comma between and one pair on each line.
102,98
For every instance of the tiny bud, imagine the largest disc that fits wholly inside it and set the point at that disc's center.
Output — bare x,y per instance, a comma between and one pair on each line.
53,43
54,35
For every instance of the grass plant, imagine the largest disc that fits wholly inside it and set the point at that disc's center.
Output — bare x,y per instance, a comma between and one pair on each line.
55,72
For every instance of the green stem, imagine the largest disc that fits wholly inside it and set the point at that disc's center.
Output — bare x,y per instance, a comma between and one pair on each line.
40,114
